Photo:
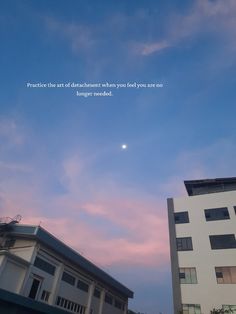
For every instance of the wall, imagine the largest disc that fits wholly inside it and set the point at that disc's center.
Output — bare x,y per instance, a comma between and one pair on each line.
207,292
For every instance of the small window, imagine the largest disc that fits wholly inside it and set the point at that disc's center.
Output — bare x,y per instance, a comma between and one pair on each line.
191,308
45,266
108,298
181,217
184,244
68,278
34,288
188,275
216,214
82,285
223,241
45,295
58,301
118,304
97,293
226,274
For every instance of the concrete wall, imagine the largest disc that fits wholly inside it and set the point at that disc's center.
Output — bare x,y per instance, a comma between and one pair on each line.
12,276
207,292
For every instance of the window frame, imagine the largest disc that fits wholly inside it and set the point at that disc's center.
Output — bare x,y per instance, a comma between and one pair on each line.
215,214
184,244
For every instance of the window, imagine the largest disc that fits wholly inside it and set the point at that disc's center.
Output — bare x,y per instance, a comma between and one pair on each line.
226,274
45,266
191,309
68,278
108,298
188,275
45,295
231,309
181,217
82,285
216,213
223,241
97,293
118,304
34,288
184,244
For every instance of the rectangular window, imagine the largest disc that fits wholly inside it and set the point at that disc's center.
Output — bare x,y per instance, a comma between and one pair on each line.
181,217
223,241
216,213
82,285
191,308
118,304
45,295
68,278
97,293
188,275
226,274
45,266
108,298
184,244
34,288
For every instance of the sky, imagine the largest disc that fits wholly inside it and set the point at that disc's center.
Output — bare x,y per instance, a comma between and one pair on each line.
61,161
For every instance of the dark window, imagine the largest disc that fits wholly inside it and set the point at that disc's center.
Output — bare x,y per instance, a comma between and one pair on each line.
68,278
219,274
182,275
223,241
108,298
45,266
118,304
58,300
181,217
45,295
34,288
97,293
82,285
184,244
235,209
216,213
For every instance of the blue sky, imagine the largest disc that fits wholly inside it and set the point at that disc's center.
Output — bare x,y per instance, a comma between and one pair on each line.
61,161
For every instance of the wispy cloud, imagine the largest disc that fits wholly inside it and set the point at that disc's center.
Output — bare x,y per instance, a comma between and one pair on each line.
217,16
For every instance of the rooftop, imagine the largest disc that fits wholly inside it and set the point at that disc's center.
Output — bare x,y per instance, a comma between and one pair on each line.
206,186
68,253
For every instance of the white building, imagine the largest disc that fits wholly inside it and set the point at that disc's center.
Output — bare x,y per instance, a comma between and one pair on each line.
36,265
202,228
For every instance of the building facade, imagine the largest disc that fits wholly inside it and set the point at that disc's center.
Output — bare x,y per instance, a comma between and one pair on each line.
202,228
36,265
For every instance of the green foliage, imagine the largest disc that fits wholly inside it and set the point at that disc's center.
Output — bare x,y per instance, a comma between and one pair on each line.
221,311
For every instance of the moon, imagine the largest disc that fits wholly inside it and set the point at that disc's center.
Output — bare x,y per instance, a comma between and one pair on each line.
124,146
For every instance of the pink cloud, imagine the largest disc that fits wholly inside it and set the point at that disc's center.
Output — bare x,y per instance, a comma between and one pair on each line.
106,221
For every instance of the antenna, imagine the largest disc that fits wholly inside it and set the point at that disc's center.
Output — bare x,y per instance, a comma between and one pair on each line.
6,222
16,219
